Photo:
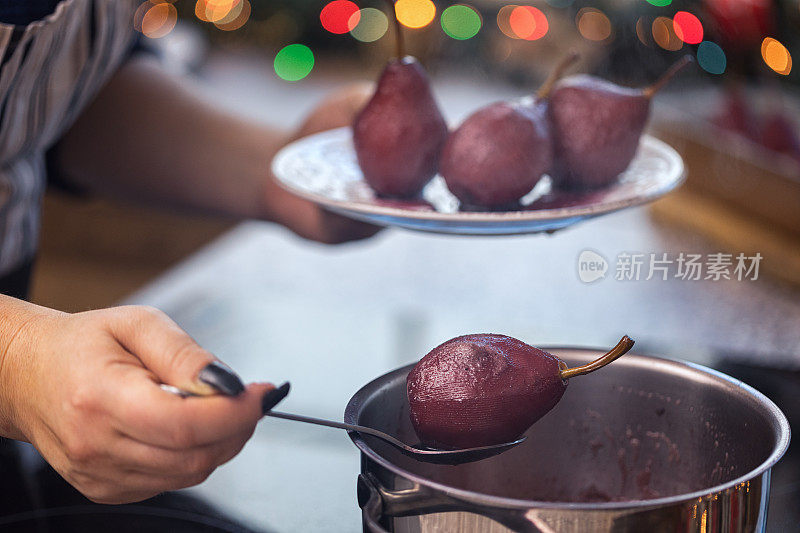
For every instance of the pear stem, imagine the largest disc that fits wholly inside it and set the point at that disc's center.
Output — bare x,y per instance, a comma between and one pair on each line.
668,75
557,73
400,48
615,353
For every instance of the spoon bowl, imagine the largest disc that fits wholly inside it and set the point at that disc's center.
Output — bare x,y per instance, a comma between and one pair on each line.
418,451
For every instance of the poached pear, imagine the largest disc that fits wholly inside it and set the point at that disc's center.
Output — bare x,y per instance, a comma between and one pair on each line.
500,152
596,126
487,389
399,134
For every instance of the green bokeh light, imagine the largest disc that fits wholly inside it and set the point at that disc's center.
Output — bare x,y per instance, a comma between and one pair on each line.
660,3
711,57
294,62
372,25
461,22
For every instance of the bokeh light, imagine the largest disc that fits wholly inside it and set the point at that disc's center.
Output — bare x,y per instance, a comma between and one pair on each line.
528,23
504,20
214,10
237,17
294,62
711,58
139,14
643,31
687,27
372,24
339,16
415,13
461,22
159,20
593,24
200,10
660,3
664,34
776,56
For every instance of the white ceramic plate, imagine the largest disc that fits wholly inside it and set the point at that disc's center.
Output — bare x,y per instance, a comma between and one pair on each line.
323,169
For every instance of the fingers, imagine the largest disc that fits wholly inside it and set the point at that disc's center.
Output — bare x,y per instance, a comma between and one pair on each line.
341,229
128,486
146,459
170,353
151,415
123,470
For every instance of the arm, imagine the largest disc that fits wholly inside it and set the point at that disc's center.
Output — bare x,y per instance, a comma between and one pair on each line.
149,137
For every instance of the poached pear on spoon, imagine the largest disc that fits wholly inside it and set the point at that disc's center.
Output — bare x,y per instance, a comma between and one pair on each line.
488,389
398,136
596,126
500,152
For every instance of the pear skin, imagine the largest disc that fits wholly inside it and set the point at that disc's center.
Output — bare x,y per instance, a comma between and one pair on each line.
497,155
487,389
399,134
596,129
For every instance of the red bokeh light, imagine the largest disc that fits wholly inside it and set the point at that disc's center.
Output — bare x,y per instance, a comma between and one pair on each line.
528,23
340,16
687,27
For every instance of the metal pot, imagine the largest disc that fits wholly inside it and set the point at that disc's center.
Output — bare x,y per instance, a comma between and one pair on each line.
644,445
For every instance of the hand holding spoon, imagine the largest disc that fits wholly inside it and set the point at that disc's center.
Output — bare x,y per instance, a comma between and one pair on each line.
418,452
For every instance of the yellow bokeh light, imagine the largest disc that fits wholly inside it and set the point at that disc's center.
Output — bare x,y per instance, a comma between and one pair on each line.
776,56
593,24
664,34
217,10
159,20
200,10
415,13
237,17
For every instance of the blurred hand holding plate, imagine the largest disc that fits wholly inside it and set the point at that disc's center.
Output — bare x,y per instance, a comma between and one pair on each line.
323,168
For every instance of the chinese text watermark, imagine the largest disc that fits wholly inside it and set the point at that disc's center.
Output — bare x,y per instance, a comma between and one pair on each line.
629,266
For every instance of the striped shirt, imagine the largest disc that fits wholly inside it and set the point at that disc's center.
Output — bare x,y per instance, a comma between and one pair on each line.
51,68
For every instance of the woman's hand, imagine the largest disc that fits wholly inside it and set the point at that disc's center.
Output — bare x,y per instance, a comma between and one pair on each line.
84,389
306,218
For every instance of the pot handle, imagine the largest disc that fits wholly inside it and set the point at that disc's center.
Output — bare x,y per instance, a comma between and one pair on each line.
371,503
376,501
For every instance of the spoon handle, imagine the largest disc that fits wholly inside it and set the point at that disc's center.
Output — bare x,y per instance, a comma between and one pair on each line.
339,425
310,420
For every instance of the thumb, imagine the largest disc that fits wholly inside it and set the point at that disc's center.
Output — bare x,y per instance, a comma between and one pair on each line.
170,353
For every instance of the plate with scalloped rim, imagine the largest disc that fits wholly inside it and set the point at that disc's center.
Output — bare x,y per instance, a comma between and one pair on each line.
323,168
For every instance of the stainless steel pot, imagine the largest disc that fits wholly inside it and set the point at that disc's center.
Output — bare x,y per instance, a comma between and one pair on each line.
644,445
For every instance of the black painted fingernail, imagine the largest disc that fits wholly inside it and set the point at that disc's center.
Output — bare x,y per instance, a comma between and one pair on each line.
274,397
221,378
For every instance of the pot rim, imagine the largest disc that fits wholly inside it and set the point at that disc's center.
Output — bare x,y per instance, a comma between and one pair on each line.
783,433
